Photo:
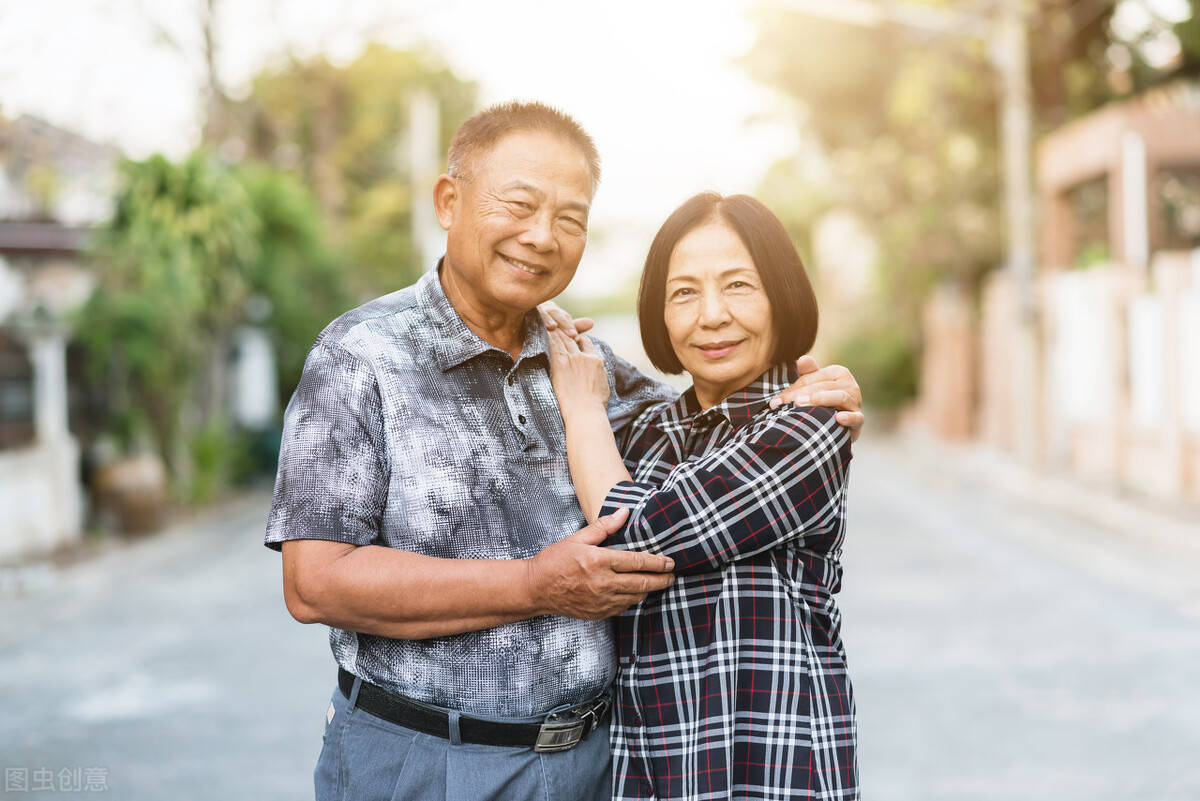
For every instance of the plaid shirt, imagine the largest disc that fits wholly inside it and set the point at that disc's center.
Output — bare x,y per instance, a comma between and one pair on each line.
732,682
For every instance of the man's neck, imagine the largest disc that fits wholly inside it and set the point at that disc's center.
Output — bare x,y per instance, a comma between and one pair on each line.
500,328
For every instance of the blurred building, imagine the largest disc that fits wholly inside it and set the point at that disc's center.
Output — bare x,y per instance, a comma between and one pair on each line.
1118,307
54,186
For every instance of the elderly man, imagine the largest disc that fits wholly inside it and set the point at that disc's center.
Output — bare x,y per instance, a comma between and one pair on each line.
425,511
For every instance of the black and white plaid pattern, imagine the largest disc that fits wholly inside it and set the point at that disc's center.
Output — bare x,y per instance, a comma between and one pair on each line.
732,682
409,431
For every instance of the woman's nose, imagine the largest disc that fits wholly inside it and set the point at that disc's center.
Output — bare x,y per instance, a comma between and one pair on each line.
713,310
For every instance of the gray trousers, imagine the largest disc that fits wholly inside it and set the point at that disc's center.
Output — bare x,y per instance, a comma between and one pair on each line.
365,758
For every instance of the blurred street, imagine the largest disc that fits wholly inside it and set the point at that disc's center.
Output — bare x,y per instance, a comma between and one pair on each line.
999,649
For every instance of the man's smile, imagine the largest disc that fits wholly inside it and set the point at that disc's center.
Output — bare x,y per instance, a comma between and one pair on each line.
523,266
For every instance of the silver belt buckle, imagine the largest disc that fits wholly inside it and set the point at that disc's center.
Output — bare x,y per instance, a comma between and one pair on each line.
556,735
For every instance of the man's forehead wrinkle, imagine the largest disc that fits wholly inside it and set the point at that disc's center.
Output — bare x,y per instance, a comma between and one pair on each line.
521,185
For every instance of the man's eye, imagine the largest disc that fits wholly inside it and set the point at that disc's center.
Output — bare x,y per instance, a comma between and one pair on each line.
574,224
521,204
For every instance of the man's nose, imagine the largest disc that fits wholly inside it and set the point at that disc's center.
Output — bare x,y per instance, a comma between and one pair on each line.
538,233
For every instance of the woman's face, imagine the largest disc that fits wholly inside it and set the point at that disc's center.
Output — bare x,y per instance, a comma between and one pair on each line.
717,313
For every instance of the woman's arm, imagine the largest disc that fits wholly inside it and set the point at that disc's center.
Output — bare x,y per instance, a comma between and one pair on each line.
581,386
779,479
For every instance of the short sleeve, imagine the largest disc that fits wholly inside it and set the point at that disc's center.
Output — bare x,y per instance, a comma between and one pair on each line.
333,467
632,391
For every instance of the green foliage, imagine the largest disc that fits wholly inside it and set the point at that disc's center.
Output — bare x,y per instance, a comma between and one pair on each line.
218,453
295,273
908,123
194,250
346,130
173,267
884,363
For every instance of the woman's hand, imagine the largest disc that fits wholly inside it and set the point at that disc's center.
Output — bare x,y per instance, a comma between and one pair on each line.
577,372
553,316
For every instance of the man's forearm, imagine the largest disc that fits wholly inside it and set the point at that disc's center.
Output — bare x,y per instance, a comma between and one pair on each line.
393,593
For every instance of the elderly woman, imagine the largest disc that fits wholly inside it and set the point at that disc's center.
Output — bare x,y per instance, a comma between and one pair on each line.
732,682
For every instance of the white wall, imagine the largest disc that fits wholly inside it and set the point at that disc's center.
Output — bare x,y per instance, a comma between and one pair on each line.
41,502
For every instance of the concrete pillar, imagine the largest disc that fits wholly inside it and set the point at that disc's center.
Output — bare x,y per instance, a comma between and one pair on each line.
57,449
255,396
48,355
424,158
1135,224
948,371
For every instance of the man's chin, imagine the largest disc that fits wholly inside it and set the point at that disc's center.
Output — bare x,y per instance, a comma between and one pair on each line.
527,298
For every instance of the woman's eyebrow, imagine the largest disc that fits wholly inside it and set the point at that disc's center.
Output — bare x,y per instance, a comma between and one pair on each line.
723,274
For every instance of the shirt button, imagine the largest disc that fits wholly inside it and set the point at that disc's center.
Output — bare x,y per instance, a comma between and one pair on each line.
521,419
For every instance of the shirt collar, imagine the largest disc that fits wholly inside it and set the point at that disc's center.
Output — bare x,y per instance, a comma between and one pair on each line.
738,408
454,343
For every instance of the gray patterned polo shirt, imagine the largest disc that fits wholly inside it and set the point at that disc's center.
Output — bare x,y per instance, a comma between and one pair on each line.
408,430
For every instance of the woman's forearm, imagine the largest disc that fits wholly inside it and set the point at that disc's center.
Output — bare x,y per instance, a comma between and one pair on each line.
592,454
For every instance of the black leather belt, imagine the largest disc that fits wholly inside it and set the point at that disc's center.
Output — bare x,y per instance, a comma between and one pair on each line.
558,732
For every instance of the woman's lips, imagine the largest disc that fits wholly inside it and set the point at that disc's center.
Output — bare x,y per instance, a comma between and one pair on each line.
717,350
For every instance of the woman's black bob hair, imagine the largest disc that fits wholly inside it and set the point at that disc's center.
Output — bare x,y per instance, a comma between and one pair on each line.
793,303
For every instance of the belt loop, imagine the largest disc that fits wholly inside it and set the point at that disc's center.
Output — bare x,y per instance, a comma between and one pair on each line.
455,735
353,699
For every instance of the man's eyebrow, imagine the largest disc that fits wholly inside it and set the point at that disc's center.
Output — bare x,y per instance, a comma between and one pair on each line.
521,186
574,205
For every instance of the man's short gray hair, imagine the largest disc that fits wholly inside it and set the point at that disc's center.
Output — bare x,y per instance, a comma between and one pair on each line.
482,131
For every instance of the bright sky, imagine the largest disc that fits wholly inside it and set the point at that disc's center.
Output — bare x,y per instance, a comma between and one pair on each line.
654,81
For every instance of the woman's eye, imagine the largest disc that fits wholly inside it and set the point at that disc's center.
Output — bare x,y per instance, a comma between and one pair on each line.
739,285
681,292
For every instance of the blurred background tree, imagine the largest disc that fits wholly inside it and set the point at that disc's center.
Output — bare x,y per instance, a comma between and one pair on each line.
904,128
195,250
345,131
297,207
175,277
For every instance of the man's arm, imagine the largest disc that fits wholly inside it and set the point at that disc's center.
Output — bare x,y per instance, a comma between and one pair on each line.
394,593
833,386
325,517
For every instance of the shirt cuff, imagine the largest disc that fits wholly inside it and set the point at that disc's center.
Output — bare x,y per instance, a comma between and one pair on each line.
624,495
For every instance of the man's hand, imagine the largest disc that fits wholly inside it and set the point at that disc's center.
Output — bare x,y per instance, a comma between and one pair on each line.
831,386
554,317
576,578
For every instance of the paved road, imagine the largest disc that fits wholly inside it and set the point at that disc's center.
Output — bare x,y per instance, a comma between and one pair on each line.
998,651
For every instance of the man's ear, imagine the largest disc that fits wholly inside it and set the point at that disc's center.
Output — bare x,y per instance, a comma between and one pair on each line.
445,200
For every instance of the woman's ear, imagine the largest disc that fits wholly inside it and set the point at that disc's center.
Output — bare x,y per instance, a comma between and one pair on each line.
445,200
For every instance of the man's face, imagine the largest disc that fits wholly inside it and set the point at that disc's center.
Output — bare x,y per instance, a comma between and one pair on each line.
517,227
